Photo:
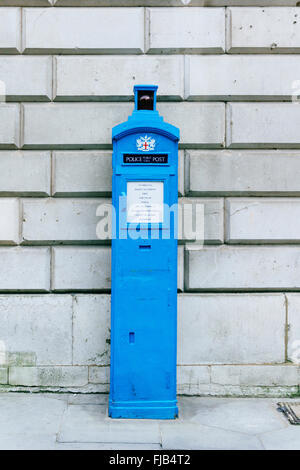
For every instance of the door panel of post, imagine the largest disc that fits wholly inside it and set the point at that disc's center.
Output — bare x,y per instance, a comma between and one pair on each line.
144,320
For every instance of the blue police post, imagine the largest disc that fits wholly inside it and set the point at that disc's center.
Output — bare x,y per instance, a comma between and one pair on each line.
144,264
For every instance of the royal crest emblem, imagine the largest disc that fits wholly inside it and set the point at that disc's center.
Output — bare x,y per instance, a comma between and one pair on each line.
145,144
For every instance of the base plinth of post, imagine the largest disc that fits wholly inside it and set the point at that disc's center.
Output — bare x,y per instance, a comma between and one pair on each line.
143,410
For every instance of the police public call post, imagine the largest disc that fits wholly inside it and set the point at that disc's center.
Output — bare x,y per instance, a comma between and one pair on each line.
144,268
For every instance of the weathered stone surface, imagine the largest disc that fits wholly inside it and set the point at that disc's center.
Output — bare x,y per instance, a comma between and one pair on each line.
26,78
247,267
231,329
10,34
36,330
82,173
190,379
100,375
83,30
113,77
48,376
267,30
9,126
25,269
243,172
9,222
234,391
76,268
91,330
237,380
59,125
180,269
27,3
168,32
25,173
201,124
241,77
250,375
205,216
67,220
181,172
293,332
264,125
179,3
262,220
3,375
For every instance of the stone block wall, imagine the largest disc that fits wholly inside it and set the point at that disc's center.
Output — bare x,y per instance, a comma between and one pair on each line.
229,76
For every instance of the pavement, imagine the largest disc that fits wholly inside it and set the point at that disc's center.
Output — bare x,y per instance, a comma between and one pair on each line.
51,421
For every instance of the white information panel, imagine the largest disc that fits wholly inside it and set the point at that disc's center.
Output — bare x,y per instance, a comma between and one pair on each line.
145,201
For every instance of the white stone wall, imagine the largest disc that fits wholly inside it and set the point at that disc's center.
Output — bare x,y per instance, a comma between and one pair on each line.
229,75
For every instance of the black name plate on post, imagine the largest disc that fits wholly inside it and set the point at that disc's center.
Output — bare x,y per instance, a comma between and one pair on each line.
136,158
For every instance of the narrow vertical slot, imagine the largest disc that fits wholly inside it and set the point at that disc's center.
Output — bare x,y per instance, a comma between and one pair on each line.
131,337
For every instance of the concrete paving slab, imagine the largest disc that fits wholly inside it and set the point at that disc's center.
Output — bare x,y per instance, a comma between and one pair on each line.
284,439
53,421
250,416
27,442
90,423
95,446
29,421
88,399
196,436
